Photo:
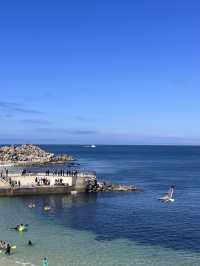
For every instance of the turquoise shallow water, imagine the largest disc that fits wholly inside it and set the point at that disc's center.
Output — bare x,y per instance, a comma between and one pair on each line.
66,246
114,228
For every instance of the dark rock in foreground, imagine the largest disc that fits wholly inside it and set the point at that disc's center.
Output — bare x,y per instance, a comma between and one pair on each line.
95,186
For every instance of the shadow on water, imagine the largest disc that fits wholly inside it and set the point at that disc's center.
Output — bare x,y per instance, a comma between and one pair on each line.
109,217
138,217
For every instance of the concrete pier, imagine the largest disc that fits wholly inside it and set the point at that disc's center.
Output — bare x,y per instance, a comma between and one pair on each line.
27,185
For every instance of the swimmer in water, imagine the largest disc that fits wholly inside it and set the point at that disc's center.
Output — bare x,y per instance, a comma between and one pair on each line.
8,248
45,262
30,243
47,208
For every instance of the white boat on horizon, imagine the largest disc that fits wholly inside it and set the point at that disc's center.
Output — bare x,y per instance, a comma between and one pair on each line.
90,146
93,146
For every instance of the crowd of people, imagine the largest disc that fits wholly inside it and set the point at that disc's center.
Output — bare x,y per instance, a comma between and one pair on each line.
44,181
59,182
6,247
14,183
55,172
63,173
4,174
39,181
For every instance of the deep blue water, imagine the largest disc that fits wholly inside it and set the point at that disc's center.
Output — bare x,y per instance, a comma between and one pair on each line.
138,217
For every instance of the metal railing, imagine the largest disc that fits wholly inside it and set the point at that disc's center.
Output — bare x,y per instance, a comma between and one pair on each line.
69,173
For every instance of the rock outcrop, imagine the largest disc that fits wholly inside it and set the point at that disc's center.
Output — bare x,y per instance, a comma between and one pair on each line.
29,154
95,186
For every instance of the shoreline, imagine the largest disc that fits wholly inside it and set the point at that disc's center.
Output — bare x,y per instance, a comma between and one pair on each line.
28,154
28,163
48,183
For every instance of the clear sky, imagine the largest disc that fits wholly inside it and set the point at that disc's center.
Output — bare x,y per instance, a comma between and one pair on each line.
106,71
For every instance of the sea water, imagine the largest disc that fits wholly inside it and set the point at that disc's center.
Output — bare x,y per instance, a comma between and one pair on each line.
113,228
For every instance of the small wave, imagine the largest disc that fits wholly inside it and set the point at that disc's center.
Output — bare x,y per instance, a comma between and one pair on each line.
25,263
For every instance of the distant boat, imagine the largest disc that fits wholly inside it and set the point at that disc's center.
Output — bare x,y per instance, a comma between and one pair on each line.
90,146
168,196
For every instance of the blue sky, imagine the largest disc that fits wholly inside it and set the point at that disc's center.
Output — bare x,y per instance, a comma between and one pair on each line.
105,72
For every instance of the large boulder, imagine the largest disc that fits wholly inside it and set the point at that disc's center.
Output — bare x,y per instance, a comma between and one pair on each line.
94,186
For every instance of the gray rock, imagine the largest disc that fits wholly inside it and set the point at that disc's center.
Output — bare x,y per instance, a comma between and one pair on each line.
30,154
94,186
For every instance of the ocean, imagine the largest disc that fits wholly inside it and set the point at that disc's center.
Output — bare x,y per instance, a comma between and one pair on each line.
113,229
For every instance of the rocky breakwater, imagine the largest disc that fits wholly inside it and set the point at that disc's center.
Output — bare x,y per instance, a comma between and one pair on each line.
29,154
95,186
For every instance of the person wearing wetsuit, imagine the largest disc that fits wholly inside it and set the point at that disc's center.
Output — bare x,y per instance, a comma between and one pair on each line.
8,248
45,262
30,243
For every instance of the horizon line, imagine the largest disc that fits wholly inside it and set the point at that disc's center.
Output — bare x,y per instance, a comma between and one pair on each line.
75,144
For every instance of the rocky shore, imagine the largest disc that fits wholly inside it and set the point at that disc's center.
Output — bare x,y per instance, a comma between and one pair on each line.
29,154
95,186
